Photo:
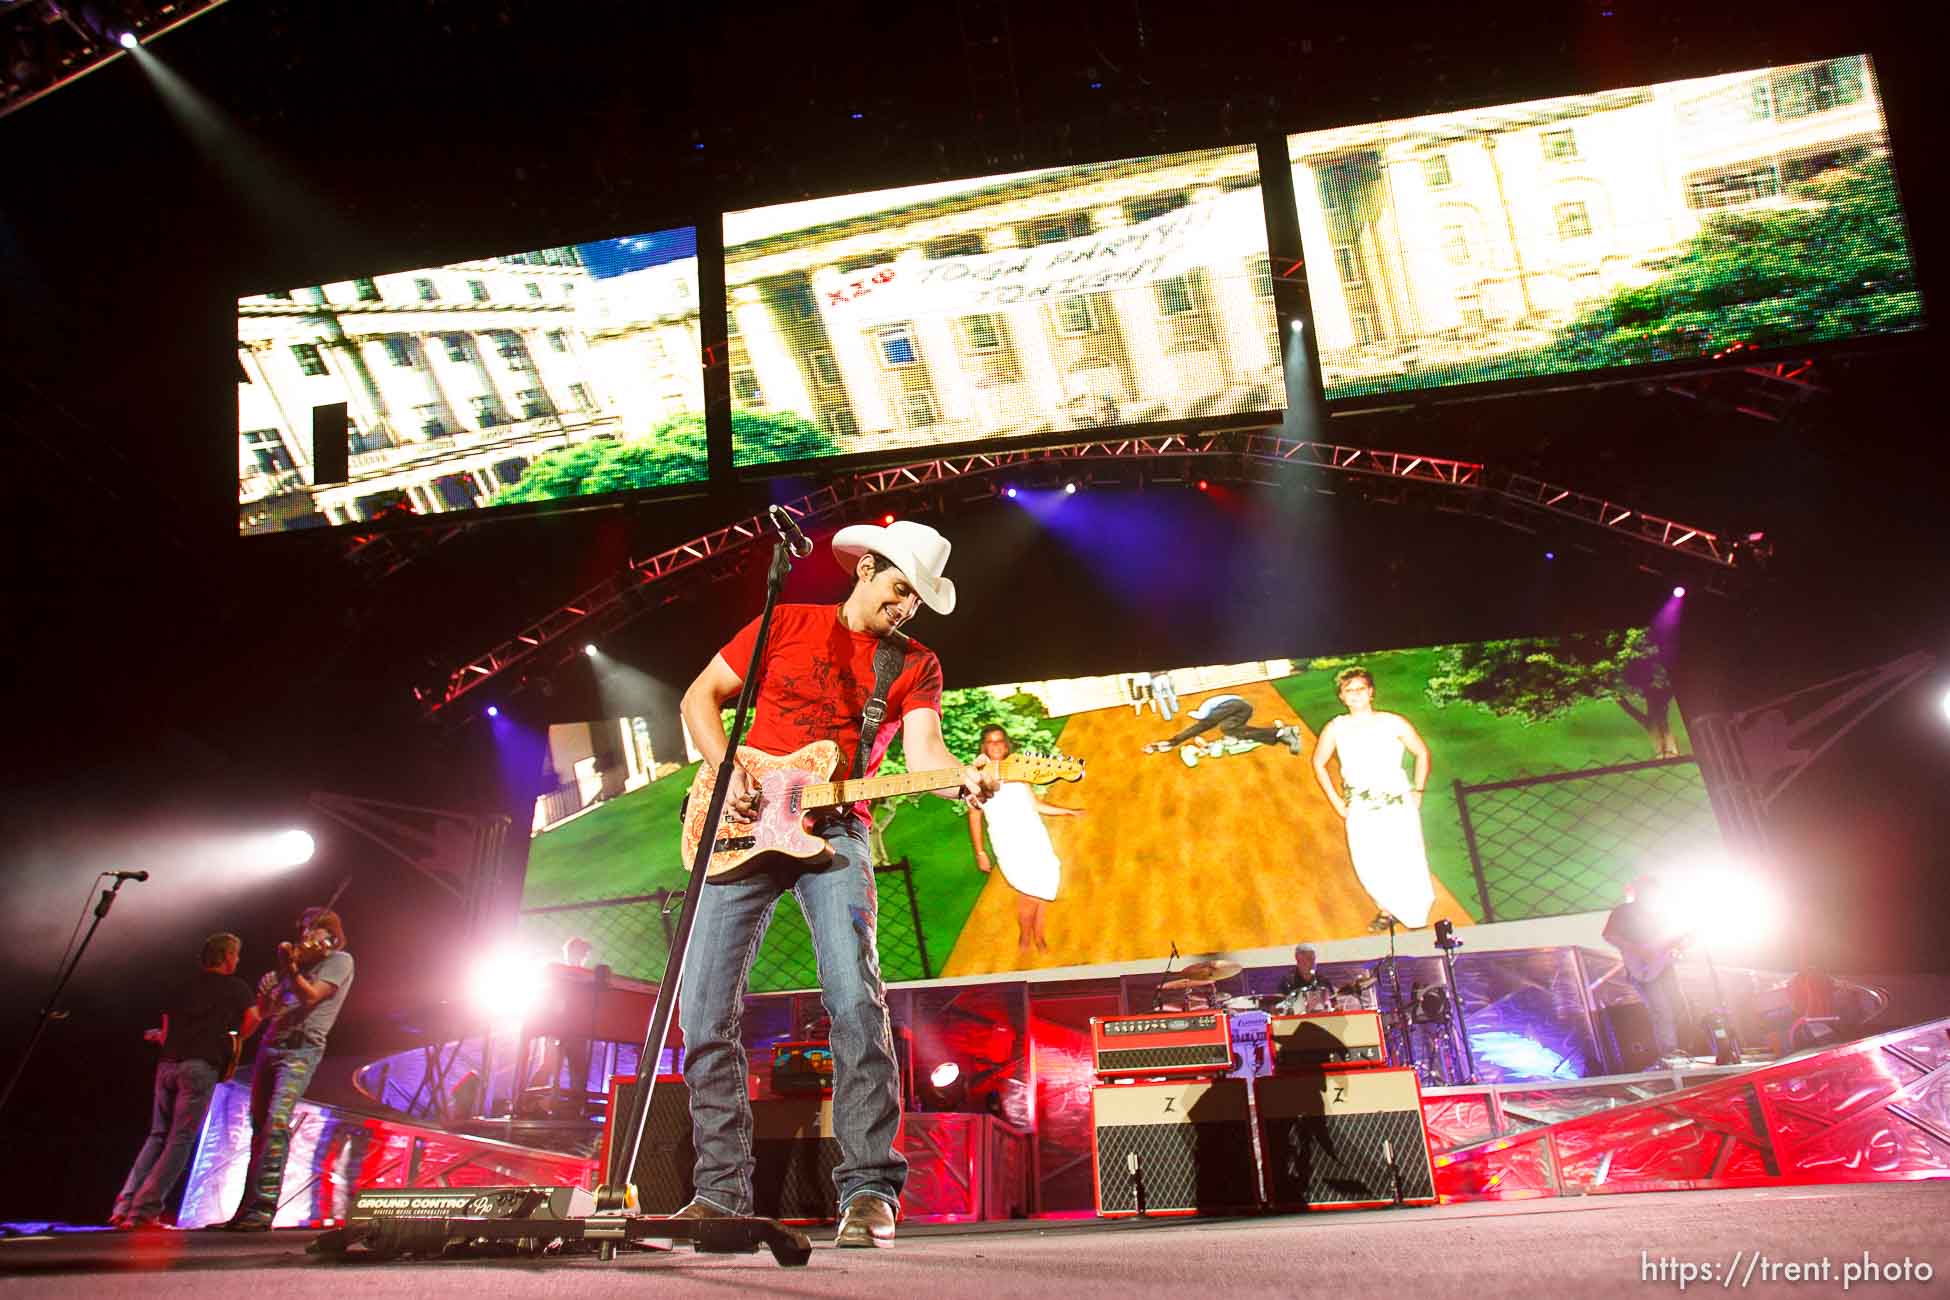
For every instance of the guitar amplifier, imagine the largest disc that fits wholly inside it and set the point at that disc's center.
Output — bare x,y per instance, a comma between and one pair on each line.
803,1068
794,1153
665,1160
1176,1148
1350,1139
1169,1043
1327,1040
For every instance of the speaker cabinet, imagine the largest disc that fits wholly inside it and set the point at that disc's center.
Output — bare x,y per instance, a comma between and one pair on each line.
1173,1149
331,448
794,1153
665,1159
1348,1139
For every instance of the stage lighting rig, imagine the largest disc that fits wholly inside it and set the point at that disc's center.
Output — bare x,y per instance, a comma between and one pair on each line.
67,41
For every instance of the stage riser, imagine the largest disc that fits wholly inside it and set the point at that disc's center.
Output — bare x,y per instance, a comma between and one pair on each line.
1877,1110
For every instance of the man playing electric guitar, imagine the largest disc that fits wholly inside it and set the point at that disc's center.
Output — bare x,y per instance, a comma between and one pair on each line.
816,678
1648,944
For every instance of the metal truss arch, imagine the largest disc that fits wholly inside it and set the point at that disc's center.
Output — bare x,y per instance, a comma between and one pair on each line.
537,642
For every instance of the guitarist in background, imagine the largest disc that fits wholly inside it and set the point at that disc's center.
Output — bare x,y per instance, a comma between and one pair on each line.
1649,943
204,1027
300,1000
815,680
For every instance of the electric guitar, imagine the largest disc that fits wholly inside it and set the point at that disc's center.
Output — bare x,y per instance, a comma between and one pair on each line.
1645,962
794,785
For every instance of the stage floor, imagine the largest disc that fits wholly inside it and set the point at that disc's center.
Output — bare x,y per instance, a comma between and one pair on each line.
1584,1247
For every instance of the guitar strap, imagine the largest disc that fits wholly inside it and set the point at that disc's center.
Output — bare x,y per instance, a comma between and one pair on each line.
888,659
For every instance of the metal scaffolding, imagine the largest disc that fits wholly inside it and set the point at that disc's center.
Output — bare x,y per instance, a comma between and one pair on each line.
548,636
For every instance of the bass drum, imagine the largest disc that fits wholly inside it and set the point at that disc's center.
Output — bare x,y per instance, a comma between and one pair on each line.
1306,1002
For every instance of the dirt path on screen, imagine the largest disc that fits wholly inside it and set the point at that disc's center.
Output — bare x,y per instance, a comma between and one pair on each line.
1241,851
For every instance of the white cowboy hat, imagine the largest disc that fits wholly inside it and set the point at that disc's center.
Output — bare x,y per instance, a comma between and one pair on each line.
917,551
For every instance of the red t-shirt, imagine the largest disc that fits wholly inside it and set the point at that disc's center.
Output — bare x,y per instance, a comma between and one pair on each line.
817,678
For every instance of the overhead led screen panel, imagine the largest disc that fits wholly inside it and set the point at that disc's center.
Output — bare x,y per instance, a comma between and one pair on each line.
1559,770
1675,222
1007,306
540,376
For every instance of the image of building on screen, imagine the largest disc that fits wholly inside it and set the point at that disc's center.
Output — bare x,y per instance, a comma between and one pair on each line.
1626,227
1071,298
590,763
459,379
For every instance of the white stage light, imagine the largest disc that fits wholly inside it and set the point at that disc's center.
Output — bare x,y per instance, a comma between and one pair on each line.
1721,905
291,849
1946,704
944,1074
506,983
128,40
590,649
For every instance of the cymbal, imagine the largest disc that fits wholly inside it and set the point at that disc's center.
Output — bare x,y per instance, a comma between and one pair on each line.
1205,972
1186,984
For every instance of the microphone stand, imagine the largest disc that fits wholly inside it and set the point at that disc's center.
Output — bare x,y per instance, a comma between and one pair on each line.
1158,990
48,1012
614,1197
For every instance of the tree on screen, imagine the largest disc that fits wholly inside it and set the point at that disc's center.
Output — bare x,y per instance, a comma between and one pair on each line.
674,452
1834,263
964,715
761,437
1538,679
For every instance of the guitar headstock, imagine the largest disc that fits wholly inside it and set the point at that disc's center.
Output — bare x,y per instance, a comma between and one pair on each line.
1041,769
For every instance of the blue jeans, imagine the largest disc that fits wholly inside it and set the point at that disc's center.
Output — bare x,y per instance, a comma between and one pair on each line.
280,1080
183,1091
839,905
1662,1004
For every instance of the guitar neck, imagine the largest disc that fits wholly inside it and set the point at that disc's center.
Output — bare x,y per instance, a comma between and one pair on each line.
827,793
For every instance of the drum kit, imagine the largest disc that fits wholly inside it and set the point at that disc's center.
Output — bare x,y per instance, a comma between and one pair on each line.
1420,1028
1196,988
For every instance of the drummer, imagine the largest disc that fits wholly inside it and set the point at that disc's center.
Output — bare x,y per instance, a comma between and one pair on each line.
1304,985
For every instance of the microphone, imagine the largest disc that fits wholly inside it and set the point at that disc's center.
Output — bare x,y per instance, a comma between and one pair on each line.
788,527
127,875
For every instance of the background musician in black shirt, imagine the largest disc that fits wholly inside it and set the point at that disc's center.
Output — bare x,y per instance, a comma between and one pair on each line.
202,1031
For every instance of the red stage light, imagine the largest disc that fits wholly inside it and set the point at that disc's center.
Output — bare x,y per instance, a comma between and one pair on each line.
1202,485
886,519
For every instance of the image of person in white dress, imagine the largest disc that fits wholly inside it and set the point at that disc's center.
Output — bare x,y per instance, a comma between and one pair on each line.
1381,804
1014,819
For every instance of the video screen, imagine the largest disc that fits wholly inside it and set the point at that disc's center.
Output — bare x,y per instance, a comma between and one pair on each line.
1041,302
539,376
1678,222
1558,770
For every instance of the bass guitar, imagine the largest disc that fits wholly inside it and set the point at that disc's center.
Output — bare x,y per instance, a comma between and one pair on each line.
792,786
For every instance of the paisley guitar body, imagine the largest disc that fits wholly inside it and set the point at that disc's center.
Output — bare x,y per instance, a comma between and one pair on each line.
779,836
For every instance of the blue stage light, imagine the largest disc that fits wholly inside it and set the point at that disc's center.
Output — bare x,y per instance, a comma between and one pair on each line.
1070,489
493,711
1012,494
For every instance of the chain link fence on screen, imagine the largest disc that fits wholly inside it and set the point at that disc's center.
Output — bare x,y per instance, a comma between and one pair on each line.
1567,842
632,935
